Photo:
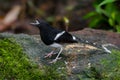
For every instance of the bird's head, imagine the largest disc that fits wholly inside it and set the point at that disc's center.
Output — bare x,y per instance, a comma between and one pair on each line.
39,23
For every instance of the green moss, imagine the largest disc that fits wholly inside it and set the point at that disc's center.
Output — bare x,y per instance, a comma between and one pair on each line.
111,66
108,69
14,64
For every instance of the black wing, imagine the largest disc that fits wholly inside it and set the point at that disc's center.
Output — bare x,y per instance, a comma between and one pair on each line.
48,36
66,38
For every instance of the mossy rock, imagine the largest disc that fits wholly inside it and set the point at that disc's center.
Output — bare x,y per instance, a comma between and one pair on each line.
16,65
27,57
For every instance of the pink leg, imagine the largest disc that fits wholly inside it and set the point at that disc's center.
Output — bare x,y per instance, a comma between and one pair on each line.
57,58
50,54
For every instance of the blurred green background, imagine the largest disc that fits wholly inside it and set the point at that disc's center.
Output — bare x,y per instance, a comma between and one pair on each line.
69,15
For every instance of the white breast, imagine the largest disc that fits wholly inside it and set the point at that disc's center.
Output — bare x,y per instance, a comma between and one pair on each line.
56,45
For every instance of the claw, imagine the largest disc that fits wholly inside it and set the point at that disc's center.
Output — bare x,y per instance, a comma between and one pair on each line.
55,60
50,54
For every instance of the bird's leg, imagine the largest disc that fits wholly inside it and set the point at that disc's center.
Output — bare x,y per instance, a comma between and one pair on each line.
53,61
50,54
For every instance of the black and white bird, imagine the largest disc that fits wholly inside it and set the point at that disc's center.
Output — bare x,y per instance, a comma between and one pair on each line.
53,37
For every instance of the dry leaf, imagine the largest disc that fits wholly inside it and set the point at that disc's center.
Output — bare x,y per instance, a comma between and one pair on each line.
11,17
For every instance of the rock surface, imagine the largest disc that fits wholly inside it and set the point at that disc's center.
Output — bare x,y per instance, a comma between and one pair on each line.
99,36
75,57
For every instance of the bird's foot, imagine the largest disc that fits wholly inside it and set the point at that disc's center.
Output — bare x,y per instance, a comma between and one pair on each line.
49,54
55,60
